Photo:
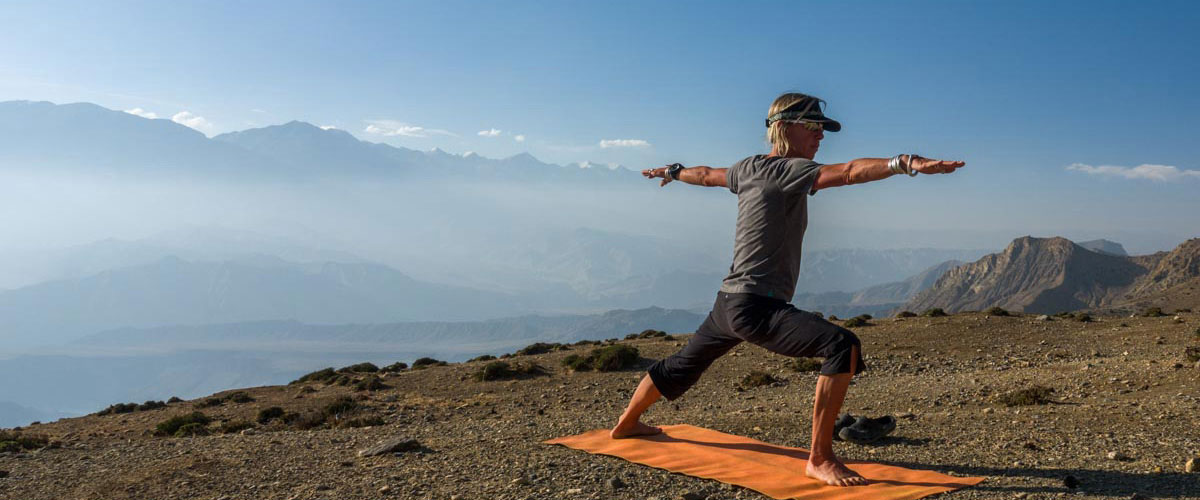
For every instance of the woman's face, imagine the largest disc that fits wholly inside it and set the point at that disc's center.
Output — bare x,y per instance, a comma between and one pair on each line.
805,142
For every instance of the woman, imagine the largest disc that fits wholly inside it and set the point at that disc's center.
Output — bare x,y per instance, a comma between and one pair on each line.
752,304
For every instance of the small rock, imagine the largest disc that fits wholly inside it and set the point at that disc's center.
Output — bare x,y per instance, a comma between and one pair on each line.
248,432
395,445
323,487
987,410
1043,317
574,491
689,495
520,481
1021,494
906,415
1116,455
615,483
1189,467
385,488
1070,482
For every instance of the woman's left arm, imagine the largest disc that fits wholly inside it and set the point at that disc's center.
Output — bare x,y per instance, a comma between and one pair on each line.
873,169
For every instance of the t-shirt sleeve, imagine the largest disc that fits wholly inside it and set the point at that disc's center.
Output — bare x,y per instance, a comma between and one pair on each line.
733,176
797,176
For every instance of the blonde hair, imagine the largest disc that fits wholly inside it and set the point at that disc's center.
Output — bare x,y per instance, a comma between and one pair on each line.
776,133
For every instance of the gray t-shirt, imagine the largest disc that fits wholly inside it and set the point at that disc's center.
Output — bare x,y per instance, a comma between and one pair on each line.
772,217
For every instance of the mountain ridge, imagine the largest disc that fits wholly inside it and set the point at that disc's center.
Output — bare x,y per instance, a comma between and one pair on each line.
1049,275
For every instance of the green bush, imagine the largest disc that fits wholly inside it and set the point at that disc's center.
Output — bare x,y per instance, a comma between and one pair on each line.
236,397
209,402
605,359
175,399
360,368
857,321
239,397
613,357
1082,317
305,421
996,311
906,314
172,426
833,317
1153,312
819,314
192,429
16,441
646,334
344,380
1192,353
339,406
805,365
587,342
151,405
371,383
577,363
118,408
539,348
235,427
394,367
934,312
324,375
421,363
485,357
501,370
758,379
268,414
1036,395
1183,310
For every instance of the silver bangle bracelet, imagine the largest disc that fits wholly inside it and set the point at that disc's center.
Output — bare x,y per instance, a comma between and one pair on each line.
908,166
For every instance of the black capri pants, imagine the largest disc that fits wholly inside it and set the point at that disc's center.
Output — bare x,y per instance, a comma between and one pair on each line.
771,323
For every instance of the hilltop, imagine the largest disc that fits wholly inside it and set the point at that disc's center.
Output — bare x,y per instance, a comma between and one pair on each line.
1120,385
1050,275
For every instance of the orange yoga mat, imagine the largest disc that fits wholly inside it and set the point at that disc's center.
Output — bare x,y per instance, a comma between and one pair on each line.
775,471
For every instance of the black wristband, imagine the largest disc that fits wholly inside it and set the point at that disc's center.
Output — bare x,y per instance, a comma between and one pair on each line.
673,171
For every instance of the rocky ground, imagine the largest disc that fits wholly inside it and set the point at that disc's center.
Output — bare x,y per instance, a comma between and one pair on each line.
1122,389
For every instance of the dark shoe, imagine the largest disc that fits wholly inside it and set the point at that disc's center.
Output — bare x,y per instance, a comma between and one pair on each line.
846,420
867,430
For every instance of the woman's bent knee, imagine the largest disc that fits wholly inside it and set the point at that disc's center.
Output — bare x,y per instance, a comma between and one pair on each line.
845,356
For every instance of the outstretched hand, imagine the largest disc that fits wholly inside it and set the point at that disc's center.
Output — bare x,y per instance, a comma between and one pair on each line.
658,173
934,166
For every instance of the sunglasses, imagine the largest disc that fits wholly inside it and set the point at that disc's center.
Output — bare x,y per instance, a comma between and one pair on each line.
813,126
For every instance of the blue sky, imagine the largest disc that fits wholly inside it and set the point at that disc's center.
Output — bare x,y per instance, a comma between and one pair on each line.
1020,90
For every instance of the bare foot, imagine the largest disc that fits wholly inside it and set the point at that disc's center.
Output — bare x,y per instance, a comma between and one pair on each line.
834,473
636,428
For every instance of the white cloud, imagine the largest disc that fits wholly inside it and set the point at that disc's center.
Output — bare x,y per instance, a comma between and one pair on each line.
1160,173
489,133
519,137
392,128
623,143
188,119
142,113
328,127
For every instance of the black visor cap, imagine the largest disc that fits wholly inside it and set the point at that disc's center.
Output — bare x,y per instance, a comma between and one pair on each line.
807,110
